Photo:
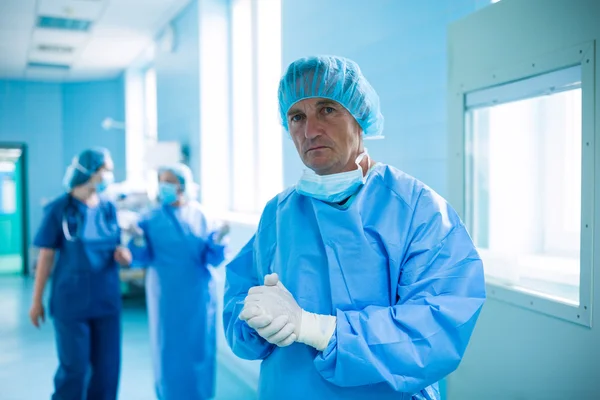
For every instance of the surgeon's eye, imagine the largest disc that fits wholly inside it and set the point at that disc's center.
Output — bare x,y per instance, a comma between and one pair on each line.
296,118
328,110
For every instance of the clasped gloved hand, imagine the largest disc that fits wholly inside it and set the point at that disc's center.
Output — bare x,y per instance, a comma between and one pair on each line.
272,310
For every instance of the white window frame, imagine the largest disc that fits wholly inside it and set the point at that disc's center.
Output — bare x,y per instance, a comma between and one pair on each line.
583,55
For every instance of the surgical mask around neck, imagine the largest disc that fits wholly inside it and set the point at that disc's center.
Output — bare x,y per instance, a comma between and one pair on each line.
333,188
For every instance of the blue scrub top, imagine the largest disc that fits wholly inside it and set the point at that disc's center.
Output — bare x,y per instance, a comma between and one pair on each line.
85,279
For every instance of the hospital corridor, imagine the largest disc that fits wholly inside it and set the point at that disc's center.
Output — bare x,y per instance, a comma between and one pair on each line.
299,199
29,357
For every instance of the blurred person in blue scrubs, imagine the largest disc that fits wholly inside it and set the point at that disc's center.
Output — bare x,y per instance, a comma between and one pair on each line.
85,301
177,244
361,282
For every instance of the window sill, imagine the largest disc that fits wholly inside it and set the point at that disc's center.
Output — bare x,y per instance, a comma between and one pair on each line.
545,284
542,268
558,305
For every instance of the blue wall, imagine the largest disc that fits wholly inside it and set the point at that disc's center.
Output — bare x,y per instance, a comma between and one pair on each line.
85,105
400,46
32,113
56,121
178,86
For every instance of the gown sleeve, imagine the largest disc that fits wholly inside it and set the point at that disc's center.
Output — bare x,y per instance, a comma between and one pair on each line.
244,341
423,336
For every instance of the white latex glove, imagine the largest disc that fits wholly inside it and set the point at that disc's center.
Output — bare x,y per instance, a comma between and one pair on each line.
134,230
224,231
271,279
276,301
278,331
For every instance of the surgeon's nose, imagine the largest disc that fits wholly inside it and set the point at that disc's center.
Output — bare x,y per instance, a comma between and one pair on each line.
313,128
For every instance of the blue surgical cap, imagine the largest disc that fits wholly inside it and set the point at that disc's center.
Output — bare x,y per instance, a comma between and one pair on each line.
184,176
333,78
84,166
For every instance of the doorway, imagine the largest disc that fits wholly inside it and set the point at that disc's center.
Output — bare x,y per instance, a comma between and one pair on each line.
13,209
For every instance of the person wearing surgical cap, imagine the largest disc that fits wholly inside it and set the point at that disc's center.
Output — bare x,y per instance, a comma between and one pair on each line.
80,229
178,245
360,282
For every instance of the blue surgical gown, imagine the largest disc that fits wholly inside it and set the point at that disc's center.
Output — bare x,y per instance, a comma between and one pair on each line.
85,298
398,269
178,248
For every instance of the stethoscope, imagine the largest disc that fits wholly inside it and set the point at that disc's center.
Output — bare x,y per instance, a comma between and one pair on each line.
73,216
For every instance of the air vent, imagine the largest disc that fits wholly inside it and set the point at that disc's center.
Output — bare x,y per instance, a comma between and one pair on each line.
48,66
55,48
64,24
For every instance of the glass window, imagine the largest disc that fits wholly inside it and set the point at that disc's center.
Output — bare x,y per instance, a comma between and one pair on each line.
254,173
524,183
243,107
150,111
141,126
214,110
134,129
269,161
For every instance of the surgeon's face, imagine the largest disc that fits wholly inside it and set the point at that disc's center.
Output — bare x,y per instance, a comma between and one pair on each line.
107,167
169,177
327,137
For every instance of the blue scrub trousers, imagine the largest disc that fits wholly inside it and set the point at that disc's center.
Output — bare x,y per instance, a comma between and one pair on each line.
89,354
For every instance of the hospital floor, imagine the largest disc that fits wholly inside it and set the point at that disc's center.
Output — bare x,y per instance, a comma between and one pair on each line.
28,358
10,264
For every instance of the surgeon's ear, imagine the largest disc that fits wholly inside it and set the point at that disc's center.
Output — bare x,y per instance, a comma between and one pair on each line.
359,130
